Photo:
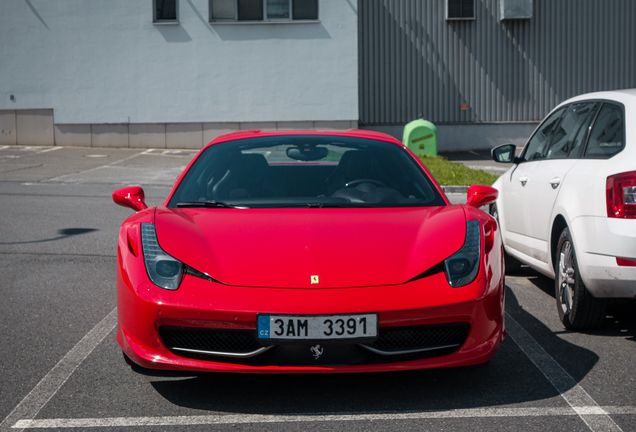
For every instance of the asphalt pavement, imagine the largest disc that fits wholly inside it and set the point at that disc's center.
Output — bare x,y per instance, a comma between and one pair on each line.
61,368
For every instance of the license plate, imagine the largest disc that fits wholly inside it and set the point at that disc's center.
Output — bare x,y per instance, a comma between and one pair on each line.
317,327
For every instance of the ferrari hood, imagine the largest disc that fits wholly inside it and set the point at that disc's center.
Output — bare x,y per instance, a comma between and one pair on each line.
311,248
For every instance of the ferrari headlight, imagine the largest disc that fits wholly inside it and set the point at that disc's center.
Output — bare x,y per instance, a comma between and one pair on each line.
163,270
462,267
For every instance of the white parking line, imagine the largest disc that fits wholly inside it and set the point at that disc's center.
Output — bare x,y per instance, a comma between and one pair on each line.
50,149
55,379
581,404
234,419
592,414
38,149
55,179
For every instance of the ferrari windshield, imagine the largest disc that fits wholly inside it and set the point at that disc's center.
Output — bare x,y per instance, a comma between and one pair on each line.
305,171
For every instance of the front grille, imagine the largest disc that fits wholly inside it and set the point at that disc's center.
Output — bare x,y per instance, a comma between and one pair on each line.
390,339
209,340
393,339
409,338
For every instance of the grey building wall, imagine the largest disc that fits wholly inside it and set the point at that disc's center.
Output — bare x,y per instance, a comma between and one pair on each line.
463,73
101,73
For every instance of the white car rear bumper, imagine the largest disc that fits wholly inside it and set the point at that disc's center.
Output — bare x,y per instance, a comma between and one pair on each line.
598,242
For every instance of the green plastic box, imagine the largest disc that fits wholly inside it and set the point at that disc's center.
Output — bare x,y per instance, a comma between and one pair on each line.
420,136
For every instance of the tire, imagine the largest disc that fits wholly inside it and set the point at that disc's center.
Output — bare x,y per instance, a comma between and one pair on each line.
578,309
512,265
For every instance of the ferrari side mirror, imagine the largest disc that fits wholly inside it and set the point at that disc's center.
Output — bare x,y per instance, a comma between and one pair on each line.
132,197
480,195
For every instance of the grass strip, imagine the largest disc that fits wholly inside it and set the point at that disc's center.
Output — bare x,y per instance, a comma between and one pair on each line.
449,173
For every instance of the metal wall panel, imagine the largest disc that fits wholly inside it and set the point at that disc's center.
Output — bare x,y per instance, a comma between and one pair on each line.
414,62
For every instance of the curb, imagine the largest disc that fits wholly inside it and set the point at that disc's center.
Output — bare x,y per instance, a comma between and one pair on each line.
454,189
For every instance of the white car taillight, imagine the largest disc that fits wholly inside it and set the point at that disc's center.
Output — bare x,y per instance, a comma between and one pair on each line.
625,262
621,195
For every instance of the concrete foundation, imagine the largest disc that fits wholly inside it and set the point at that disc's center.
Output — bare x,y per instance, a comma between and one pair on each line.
466,137
147,135
7,128
36,127
73,135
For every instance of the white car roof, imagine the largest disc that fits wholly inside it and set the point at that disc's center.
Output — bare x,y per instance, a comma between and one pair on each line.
625,96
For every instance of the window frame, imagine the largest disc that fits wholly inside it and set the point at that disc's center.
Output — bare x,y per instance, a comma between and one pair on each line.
450,18
265,20
586,132
621,108
198,170
590,115
564,110
164,21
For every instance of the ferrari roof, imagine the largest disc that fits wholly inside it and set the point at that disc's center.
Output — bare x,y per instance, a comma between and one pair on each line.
353,133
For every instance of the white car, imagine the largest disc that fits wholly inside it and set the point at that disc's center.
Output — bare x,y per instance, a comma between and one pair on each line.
567,207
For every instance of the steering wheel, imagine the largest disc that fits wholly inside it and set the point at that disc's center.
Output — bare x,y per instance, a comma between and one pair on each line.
358,181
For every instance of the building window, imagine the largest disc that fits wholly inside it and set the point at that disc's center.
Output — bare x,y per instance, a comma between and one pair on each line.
460,9
263,10
278,9
305,9
165,11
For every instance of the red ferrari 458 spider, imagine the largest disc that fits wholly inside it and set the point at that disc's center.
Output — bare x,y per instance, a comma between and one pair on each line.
308,252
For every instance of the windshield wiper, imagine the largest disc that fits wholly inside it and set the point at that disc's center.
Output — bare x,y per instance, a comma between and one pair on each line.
207,204
328,205
360,205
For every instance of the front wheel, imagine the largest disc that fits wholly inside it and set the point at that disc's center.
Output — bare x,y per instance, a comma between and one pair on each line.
578,309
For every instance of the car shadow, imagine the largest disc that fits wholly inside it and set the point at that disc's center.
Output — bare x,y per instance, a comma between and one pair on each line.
62,234
542,282
621,314
621,320
508,378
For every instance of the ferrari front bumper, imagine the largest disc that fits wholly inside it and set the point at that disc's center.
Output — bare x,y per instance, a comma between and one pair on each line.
455,326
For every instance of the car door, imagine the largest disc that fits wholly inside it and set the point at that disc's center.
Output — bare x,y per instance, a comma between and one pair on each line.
543,185
517,220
